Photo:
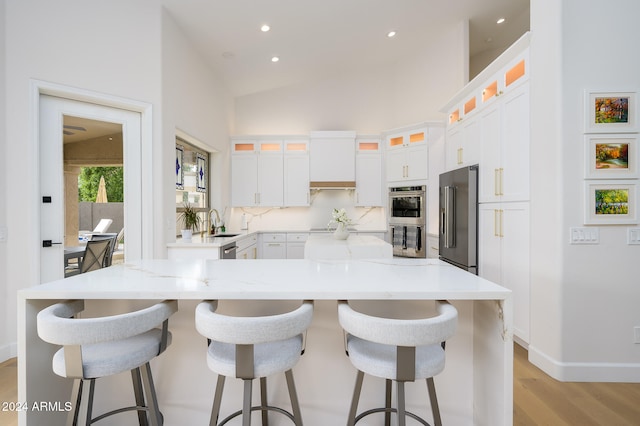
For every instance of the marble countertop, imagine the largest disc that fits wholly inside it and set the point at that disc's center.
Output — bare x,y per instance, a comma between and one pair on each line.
274,279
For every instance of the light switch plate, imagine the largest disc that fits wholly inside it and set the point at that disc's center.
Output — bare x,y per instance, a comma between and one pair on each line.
633,236
3,234
584,235
636,334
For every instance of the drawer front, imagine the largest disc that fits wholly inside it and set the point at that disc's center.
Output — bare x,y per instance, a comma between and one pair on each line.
274,237
247,242
297,237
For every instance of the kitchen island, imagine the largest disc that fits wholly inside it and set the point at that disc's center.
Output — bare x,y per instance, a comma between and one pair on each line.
325,246
474,389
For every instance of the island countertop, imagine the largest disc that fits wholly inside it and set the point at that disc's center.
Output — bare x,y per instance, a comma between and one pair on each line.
275,279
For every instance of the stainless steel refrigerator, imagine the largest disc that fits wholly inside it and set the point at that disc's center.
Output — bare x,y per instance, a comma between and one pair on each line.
459,218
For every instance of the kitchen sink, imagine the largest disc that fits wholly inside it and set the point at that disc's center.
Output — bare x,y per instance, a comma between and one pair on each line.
225,235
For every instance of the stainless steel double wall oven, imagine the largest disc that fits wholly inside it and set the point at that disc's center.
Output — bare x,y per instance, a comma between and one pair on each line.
408,220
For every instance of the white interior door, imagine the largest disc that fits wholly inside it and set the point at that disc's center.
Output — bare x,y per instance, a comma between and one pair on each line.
51,169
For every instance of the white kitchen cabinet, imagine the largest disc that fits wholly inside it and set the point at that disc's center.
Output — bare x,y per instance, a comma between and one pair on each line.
503,255
247,247
296,173
462,146
274,245
433,247
257,173
368,172
504,158
295,244
407,155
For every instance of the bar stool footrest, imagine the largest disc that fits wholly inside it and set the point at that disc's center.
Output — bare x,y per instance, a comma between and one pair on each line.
259,408
390,410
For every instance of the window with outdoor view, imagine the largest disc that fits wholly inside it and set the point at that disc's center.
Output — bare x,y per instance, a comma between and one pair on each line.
192,180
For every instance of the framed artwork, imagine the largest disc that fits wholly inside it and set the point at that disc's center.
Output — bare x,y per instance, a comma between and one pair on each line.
611,156
179,169
610,112
610,202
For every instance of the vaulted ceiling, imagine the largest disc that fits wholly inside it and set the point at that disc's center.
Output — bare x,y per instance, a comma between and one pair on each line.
316,38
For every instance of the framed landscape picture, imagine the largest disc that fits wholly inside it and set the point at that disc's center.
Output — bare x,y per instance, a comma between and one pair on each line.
610,112
611,156
610,202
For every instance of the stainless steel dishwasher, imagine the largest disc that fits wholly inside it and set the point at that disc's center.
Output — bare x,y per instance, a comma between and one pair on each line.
228,251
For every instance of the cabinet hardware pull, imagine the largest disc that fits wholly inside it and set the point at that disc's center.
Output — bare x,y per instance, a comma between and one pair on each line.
501,223
496,183
501,181
496,225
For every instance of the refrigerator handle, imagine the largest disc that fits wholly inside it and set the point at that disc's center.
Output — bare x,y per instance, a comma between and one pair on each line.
449,217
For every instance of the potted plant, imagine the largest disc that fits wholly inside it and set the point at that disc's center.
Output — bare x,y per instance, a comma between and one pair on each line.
191,221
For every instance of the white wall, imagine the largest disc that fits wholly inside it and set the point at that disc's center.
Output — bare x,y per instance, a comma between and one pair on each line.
590,293
195,102
368,101
106,47
6,350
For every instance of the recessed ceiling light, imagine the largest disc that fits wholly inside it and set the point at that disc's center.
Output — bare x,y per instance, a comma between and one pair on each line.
275,59
391,34
265,28
500,21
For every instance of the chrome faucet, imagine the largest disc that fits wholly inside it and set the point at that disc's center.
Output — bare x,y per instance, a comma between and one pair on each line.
215,224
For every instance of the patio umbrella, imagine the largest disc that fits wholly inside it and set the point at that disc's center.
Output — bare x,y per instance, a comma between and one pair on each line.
102,192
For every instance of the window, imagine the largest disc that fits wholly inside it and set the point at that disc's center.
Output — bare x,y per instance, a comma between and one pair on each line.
192,178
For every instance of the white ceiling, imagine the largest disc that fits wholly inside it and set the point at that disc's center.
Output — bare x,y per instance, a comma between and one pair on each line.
316,38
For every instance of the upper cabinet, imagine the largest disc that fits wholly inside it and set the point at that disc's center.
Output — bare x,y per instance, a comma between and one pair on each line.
257,173
368,171
296,172
506,75
407,155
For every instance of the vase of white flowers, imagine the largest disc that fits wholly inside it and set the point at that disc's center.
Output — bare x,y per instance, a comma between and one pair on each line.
341,221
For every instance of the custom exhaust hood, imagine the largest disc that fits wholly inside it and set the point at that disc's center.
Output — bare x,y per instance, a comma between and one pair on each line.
336,185
332,160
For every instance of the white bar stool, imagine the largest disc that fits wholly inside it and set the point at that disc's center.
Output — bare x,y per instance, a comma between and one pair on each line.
397,350
99,347
253,347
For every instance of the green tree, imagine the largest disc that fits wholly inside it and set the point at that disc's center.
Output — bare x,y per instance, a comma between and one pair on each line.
89,179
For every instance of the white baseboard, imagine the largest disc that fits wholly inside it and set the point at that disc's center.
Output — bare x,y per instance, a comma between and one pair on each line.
8,351
585,371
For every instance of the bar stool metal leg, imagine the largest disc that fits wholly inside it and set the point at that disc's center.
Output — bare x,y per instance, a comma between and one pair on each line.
387,402
293,395
401,411
351,421
263,401
217,401
246,405
136,379
86,402
155,417
434,402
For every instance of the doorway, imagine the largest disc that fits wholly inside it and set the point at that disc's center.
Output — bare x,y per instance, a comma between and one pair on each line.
53,112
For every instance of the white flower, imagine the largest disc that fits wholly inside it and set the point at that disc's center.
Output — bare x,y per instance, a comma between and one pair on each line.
339,216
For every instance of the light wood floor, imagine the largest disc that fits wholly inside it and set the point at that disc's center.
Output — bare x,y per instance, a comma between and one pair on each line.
538,399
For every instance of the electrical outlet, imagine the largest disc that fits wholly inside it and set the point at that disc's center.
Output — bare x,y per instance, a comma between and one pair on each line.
586,235
636,334
633,236
3,234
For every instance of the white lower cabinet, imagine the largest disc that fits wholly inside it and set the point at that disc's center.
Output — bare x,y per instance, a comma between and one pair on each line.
274,246
247,248
295,245
503,255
